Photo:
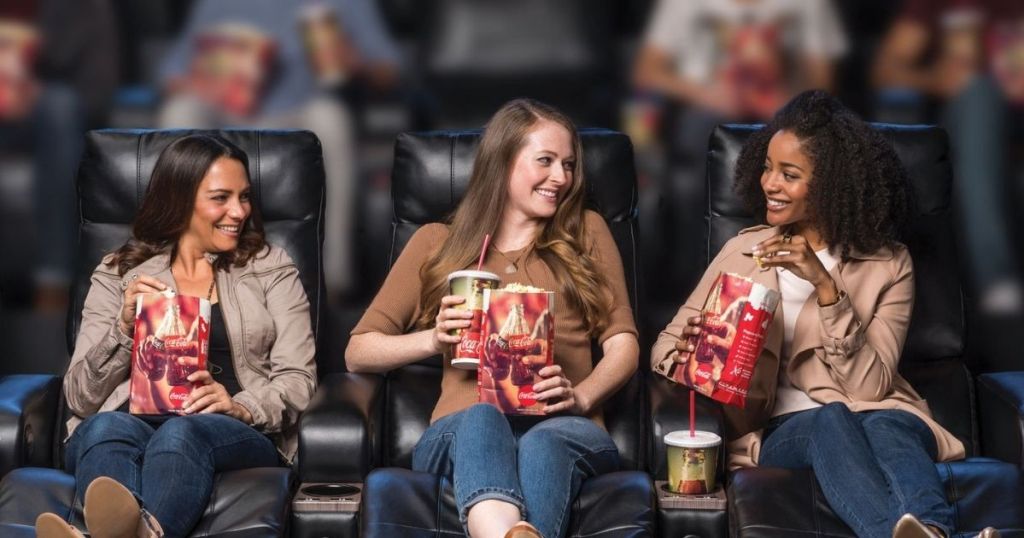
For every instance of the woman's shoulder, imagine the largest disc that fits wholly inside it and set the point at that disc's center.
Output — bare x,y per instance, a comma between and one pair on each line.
746,238
269,258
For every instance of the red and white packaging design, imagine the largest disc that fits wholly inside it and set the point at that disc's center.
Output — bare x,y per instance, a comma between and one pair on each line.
168,327
519,340
736,317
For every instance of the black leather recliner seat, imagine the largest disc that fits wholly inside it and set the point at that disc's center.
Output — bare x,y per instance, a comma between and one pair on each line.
430,174
286,169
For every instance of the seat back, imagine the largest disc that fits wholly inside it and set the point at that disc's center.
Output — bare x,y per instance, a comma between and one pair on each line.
429,177
287,176
476,54
933,356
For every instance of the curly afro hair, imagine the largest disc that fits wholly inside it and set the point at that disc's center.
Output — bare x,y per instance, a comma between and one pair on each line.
859,195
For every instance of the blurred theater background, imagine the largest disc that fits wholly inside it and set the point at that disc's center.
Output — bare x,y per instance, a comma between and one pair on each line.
358,72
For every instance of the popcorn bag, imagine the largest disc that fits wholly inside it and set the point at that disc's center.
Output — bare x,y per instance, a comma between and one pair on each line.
519,339
736,317
159,383
232,65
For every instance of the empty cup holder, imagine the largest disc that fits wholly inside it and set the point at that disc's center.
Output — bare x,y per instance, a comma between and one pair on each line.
330,490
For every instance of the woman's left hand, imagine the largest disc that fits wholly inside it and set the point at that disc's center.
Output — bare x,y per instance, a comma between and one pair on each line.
794,254
211,397
556,391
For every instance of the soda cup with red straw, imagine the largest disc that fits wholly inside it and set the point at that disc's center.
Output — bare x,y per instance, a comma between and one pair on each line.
471,284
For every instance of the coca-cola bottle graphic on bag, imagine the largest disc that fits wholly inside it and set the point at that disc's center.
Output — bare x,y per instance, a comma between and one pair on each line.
155,355
182,344
517,333
504,351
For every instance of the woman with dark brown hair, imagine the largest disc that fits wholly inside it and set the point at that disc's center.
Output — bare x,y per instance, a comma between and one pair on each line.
526,190
197,233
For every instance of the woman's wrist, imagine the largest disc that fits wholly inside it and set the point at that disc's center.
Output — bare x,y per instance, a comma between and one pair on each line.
828,292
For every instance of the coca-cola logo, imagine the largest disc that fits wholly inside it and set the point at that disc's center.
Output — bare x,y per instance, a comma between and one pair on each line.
520,342
470,345
176,343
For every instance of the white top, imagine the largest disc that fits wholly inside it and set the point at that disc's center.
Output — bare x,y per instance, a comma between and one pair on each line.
700,439
701,33
795,293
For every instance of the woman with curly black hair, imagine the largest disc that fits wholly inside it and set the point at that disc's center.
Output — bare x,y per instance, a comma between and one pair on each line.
826,393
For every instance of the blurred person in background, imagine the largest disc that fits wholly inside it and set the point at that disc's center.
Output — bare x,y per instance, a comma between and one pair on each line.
730,60
58,74
281,64
969,55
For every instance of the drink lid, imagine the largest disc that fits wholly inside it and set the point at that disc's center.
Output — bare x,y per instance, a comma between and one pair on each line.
681,438
473,274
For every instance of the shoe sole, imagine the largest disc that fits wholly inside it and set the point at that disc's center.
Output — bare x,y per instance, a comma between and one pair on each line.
111,511
52,526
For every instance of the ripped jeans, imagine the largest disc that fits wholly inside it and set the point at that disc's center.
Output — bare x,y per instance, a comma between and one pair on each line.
536,465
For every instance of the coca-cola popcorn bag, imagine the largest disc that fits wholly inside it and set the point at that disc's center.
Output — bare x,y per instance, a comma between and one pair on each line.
168,327
519,339
736,317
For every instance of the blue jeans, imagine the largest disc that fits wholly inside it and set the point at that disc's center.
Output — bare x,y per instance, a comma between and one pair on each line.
170,469
873,467
477,447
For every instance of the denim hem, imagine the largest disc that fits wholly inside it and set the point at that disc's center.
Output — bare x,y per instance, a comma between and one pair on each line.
488,494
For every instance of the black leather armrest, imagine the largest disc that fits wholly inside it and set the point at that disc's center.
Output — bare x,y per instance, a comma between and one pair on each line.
670,411
28,414
1001,410
339,432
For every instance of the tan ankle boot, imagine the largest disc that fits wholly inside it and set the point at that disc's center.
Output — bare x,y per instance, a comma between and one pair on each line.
909,526
523,530
51,525
111,511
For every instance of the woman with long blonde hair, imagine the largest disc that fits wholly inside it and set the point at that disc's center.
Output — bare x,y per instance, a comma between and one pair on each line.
526,190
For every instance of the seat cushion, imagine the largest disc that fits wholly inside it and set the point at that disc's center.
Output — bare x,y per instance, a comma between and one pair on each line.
251,502
409,504
772,502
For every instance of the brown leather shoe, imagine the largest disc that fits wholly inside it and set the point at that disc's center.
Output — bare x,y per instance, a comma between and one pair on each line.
51,525
111,511
909,526
523,530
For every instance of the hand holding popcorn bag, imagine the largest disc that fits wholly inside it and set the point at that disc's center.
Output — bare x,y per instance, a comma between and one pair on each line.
734,323
518,341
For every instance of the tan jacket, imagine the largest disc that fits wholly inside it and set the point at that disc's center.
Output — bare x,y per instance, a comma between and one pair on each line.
268,325
847,352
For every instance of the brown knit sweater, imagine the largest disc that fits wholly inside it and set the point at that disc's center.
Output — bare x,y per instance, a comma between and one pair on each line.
395,308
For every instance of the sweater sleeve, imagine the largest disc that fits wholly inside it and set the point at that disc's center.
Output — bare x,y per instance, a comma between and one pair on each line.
609,264
396,306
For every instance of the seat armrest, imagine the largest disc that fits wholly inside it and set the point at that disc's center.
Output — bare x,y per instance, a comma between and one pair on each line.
339,431
28,415
670,411
1001,416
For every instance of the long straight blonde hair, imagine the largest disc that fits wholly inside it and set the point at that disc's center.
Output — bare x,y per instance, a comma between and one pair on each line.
559,242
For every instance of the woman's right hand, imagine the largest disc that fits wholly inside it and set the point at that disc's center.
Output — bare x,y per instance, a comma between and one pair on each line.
450,318
141,284
687,342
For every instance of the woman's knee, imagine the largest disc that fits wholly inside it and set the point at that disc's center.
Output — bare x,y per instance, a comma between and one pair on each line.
186,435
112,426
481,414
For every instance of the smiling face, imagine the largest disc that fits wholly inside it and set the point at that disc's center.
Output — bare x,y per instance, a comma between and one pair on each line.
542,173
221,209
785,179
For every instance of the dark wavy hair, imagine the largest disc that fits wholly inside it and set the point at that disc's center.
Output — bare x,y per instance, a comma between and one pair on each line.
859,194
170,199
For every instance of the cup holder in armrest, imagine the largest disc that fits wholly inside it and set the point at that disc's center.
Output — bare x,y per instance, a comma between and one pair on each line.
330,490
321,497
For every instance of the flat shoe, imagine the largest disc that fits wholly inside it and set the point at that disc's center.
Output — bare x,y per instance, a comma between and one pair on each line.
50,525
111,511
523,530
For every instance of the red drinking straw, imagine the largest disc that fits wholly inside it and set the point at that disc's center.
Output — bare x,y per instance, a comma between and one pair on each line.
693,413
483,252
